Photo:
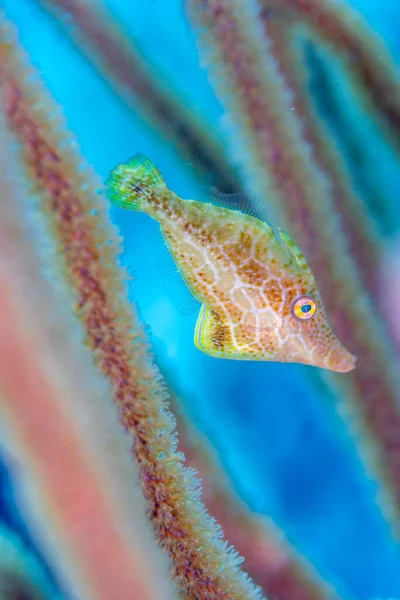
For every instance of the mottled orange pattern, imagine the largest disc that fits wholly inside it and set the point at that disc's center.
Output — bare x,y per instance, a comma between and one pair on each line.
247,276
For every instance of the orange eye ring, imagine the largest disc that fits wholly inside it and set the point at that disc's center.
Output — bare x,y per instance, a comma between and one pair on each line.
303,308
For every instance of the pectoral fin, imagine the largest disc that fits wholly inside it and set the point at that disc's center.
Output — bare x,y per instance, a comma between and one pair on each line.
174,284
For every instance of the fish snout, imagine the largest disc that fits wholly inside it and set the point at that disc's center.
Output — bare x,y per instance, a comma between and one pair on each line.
341,360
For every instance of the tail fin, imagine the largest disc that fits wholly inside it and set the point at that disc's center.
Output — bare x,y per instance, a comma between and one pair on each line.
131,184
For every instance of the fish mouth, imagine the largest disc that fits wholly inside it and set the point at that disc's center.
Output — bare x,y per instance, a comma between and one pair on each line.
341,361
338,359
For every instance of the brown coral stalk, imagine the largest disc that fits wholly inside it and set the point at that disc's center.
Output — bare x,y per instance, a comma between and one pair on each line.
269,559
203,566
365,56
75,487
360,230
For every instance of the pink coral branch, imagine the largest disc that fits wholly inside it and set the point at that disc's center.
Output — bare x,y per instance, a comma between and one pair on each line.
86,241
269,559
47,385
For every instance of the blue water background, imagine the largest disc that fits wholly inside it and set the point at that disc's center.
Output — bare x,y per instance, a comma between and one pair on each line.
287,451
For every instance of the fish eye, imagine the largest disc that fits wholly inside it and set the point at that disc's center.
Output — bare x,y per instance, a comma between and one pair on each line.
303,308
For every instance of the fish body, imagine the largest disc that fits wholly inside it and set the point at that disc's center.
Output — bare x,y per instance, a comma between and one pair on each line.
259,297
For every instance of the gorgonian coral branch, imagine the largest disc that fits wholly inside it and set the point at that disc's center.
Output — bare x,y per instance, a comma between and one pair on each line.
78,489
361,232
269,559
390,285
277,161
366,58
116,56
89,249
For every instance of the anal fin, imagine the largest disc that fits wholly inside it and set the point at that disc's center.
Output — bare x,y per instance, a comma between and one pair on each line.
213,334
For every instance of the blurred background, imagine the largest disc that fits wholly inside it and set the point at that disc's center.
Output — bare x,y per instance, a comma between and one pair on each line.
279,436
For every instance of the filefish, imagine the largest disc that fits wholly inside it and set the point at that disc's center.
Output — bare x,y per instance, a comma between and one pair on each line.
259,299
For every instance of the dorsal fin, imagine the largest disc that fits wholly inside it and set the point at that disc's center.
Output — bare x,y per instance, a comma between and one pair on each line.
247,203
293,249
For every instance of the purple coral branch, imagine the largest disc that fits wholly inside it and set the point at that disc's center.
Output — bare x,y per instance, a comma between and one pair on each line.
360,229
373,71
278,163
